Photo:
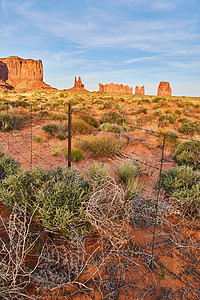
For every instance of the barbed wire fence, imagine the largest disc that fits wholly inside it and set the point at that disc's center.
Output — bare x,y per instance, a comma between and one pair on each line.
163,237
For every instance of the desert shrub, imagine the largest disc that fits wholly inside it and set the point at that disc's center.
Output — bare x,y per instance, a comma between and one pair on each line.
188,153
60,201
140,110
9,121
167,119
8,166
101,146
178,112
190,127
51,128
179,102
183,185
110,127
157,113
58,116
38,139
60,130
76,154
113,117
57,194
128,169
43,114
171,137
182,120
80,126
97,174
90,120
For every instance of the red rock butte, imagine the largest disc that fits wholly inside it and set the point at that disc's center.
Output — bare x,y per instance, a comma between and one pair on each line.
115,88
21,74
164,89
139,91
78,85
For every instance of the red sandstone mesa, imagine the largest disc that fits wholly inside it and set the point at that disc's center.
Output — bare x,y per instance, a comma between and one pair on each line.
21,74
78,85
115,88
139,91
164,89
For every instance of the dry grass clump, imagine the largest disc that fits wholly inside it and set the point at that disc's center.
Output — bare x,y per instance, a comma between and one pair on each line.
101,145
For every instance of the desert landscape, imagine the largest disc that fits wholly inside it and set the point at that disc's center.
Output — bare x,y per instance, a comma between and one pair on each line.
100,191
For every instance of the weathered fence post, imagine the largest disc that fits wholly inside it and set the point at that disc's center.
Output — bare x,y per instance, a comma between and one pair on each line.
69,135
31,136
157,202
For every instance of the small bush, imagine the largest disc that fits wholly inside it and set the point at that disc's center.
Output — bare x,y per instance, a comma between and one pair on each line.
171,137
140,110
80,126
58,196
9,121
113,117
8,166
102,146
128,170
190,127
110,128
157,113
91,121
167,119
183,185
76,154
188,153
50,128
38,139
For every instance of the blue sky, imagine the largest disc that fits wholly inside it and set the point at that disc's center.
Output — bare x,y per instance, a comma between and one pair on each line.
132,42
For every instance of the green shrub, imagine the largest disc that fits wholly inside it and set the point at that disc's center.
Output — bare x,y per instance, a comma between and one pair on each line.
128,170
80,126
157,113
188,153
76,154
60,202
90,120
97,173
51,128
113,117
102,146
183,185
8,166
57,195
9,121
43,114
167,119
140,110
190,127
110,128
38,139
178,112
171,137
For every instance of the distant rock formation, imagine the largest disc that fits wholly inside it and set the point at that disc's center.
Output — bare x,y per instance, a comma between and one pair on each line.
164,89
115,88
21,74
78,85
139,91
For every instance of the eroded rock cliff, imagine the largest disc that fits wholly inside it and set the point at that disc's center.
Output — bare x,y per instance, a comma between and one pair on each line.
115,88
164,89
21,74
139,91
78,85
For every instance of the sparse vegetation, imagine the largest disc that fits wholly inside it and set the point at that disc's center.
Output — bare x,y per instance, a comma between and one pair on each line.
183,185
188,153
101,146
189,127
